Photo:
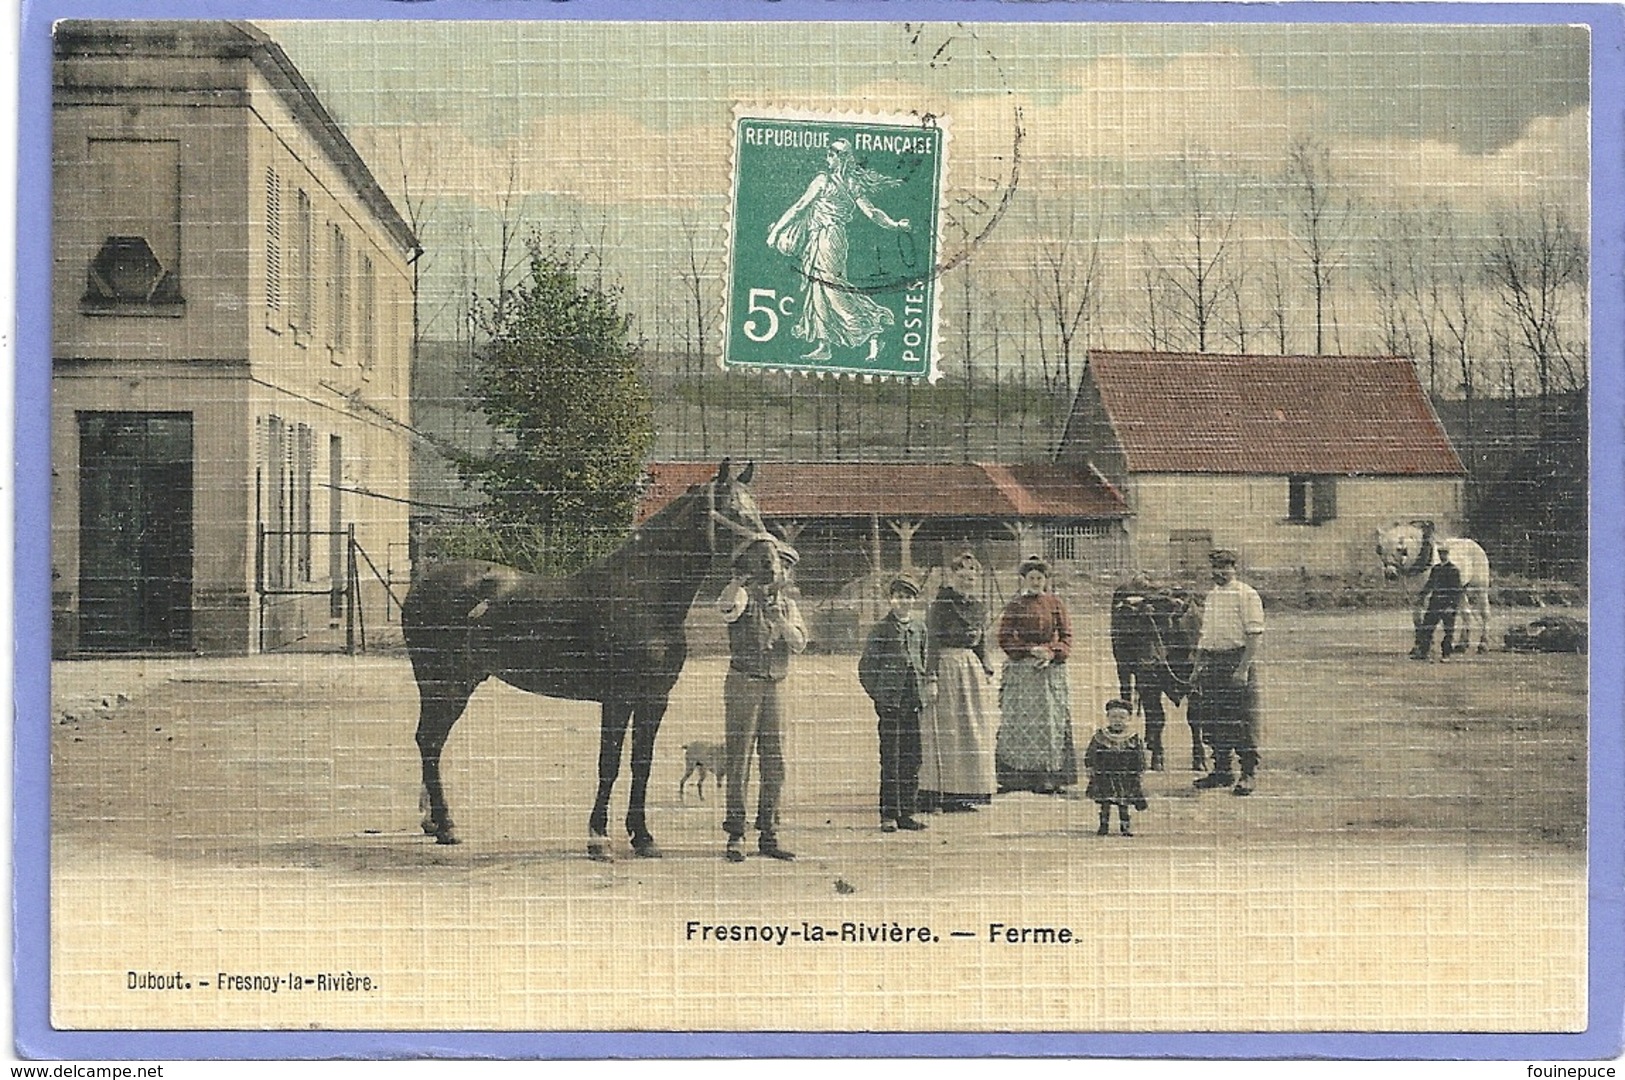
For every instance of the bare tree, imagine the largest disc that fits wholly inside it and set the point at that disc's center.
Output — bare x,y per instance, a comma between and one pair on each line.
509,256
1428,261
967,337
1460,313
998,386
1536,266
694,276
1155,336
1064,291
1318,221
414,200
1391,259
1194,269
1275,302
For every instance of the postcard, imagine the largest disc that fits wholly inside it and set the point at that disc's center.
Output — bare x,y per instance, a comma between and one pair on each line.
1014,529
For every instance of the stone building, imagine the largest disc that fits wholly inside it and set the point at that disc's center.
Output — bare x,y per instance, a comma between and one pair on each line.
232,329
1293,461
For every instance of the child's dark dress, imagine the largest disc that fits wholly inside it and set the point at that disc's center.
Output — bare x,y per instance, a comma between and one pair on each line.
1115,763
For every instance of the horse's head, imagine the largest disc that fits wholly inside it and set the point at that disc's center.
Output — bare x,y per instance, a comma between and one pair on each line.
1178,616
1404,548
733,520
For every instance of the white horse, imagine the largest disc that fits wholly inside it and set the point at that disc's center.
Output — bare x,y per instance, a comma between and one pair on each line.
1411,548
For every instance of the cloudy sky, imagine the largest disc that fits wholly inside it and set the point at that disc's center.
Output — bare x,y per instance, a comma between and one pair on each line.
620,132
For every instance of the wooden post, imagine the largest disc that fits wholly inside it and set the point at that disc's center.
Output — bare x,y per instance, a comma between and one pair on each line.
905,531
350,589
870,603
259,581
1022,532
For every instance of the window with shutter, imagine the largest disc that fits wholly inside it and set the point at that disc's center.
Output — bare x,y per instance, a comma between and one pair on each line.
303,316
338,292
273,247
367,315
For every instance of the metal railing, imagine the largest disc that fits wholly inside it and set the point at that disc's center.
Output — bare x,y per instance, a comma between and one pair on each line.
349,591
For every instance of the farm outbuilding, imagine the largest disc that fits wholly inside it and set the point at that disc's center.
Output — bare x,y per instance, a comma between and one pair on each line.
232,322
1293,461
854,520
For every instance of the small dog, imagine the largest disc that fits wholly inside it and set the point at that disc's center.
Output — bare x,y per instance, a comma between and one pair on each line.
703,758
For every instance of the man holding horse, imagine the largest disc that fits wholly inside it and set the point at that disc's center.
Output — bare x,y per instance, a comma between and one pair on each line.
1227,674
1442,593
764,629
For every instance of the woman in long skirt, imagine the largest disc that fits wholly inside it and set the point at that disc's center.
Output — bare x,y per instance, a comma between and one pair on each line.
958,730
1035,748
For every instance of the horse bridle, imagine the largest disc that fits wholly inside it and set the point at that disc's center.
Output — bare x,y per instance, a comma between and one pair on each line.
747,535
1162,647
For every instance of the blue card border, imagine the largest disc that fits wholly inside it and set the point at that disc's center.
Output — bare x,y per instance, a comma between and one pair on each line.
35,1038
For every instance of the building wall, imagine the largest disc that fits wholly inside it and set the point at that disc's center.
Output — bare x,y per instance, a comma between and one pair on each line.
222,482
318,358
205,133
1089,438
316,372
1250,515
106,143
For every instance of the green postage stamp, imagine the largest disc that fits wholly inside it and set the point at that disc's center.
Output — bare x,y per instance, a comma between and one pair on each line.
833,244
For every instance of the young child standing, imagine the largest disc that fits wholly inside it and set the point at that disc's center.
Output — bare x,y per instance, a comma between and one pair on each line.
892,671
1115,759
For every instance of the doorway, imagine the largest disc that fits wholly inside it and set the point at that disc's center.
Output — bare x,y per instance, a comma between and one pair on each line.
135,531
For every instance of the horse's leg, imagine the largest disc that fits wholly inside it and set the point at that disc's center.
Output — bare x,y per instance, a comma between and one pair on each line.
645,726
613,718
1193,720
441,702
1156,719
1481,601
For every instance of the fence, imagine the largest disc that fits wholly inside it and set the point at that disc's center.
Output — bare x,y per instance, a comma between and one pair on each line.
346,593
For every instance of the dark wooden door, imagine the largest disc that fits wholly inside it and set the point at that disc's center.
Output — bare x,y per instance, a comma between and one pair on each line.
135,530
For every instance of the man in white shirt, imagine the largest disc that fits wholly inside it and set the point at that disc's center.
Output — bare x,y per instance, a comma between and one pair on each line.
1226,674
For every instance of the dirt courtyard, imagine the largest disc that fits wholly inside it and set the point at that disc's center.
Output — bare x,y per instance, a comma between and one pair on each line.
235,844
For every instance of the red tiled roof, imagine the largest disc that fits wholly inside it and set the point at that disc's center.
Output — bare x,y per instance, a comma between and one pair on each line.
794,489
1331,415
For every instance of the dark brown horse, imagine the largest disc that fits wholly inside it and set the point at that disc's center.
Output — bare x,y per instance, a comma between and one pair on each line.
1176,623
1154,632
611,633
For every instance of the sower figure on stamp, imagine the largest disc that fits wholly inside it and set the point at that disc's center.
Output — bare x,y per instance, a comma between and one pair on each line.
1226,674
892,671
764,629
813,229
1443,593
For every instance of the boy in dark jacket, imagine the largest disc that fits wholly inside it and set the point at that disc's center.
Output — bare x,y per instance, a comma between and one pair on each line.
892,671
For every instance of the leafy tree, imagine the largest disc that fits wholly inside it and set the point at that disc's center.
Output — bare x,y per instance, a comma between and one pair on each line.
558,381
